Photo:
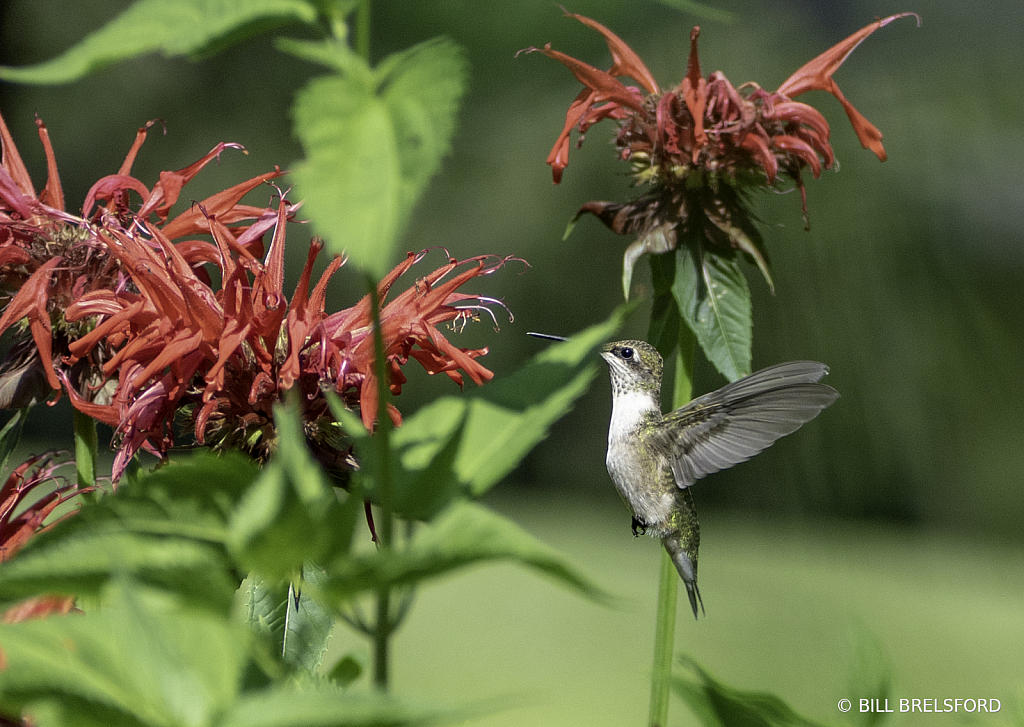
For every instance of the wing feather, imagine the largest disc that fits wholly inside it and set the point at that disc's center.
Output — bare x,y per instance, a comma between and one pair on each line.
732,424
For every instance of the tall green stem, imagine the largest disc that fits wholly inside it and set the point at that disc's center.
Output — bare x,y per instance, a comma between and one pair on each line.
668,583
86,446
363,30
674,341
385,518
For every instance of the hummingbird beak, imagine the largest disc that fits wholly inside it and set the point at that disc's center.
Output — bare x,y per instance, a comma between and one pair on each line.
547,336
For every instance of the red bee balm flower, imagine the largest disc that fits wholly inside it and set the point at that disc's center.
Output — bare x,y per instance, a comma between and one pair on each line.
49,258
700,145
223,357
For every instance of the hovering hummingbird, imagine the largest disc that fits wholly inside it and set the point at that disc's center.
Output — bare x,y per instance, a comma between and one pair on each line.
654,458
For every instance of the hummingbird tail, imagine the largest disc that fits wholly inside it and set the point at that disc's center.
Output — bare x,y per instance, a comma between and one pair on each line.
687,571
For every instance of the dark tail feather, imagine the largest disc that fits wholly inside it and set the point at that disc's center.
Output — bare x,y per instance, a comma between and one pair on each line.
687,572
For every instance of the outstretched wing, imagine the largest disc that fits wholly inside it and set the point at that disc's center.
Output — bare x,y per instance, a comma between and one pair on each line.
732,424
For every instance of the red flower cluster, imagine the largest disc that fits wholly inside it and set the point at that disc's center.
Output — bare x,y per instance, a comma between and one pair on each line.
123,311
49,258
702,143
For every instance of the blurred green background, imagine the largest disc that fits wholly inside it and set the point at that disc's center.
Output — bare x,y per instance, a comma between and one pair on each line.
900,508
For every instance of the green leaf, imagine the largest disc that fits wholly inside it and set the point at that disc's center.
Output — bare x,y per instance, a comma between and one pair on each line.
290,515
509,417
328,706
10,435
190,496
719,705
298,628
165,529
463,535
700,10
77,560
465,445
134,662
372,142
173,27
714,300
871,676
349,668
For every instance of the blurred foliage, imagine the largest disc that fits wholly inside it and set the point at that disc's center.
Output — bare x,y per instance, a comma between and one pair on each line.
907,284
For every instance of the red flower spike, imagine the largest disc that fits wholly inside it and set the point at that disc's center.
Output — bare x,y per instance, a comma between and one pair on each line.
816,75
625,60
700,146
56,261
52,194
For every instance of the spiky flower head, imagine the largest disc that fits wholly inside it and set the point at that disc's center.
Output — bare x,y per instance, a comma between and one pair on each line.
698,148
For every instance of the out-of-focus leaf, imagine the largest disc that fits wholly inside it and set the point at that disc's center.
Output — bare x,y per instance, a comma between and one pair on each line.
700,10
349,668
78,560
463,535
509,417
173,27
191,496
372,142
9,436
290,515
328,706
135,661
299,632
464,445
165,529
714,301
718,705
870,676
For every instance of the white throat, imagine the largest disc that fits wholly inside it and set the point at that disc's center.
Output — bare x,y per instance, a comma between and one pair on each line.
629,408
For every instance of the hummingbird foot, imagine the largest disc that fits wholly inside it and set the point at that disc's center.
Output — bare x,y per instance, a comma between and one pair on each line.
639,527
687,571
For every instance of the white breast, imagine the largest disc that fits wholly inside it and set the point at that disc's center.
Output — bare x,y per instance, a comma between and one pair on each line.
628,410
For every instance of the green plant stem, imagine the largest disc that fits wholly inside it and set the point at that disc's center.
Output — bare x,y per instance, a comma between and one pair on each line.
385,520
363,30
668,583
86,447
664,640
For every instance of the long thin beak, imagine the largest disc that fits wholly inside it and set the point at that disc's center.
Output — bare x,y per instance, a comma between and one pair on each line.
548,336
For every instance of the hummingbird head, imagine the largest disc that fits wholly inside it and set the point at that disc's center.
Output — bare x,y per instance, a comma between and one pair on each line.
636,367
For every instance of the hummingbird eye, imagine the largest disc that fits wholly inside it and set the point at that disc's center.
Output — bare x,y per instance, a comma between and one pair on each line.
626,353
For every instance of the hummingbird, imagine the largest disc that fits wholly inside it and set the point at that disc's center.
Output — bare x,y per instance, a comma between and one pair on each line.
655,458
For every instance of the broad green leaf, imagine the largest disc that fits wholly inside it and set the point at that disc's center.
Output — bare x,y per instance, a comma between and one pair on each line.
718,705
191,496
290,515
464,445
509,417
714,301
135,661
328,706
165,528
80,561
297,626
463,535
372,142
173,27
